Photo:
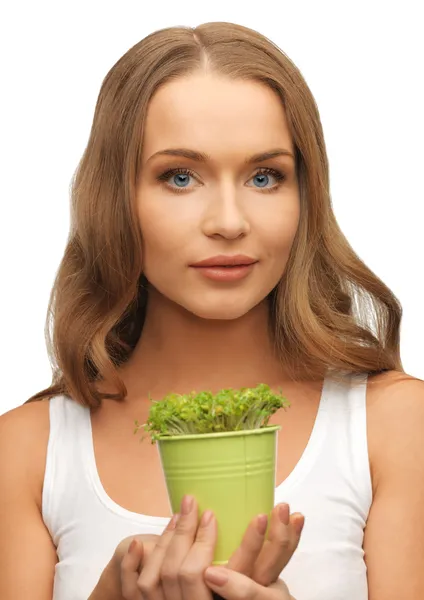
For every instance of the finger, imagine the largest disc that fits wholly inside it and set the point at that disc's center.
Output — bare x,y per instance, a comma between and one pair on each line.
130,565
280,545
149,581
245,556
199,557
181,542
124,544
161,543
235,586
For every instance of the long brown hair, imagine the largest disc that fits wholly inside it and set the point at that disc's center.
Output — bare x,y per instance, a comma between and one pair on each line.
329,314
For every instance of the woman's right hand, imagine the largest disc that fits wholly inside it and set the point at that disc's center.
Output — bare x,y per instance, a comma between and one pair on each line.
127,561
151,567
118,580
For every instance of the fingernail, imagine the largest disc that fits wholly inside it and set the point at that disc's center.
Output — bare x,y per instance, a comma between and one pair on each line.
298,524
206,518
216,575
132,546
173,522
187,505
284,513
262,523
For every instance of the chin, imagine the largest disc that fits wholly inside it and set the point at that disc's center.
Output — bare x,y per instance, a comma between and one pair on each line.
219,312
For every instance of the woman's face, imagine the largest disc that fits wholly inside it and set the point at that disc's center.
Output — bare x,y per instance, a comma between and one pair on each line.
226,205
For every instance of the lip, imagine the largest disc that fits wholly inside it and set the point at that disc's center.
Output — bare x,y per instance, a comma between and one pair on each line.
238,260
226,274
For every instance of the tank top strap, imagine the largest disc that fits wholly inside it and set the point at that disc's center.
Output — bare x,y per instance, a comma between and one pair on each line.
347,437
64,460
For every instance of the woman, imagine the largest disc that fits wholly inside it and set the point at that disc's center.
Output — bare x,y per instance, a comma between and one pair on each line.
204,253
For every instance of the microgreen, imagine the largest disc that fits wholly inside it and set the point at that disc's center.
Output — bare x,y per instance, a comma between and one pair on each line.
204,412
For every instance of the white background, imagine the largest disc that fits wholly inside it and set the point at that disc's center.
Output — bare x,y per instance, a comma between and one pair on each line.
363,62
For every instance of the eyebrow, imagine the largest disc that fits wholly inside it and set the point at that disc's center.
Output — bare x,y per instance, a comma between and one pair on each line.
202,157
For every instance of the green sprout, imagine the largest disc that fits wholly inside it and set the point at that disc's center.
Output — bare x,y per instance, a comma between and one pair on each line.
204,412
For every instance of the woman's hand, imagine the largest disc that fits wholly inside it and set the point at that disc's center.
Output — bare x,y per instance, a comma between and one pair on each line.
174,569
234,586
173,566
262,559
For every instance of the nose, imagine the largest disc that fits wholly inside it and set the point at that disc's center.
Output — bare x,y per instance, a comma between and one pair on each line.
224,217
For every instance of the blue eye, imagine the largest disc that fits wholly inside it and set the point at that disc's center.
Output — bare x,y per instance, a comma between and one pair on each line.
181,178
184,174
262,176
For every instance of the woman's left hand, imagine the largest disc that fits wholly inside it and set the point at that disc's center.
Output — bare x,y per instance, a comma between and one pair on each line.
236,586
254,568
263,558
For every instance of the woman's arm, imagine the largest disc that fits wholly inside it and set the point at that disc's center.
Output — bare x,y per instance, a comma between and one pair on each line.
27,553
394,535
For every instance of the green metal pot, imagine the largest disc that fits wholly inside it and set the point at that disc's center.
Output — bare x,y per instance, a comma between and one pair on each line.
231,473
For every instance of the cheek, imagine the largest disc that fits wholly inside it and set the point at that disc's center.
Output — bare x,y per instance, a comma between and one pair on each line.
165,231
278,231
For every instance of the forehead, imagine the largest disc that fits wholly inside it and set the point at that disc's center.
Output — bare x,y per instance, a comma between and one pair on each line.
216,114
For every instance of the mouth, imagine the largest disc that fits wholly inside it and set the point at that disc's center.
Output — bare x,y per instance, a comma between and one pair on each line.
225,262
226,269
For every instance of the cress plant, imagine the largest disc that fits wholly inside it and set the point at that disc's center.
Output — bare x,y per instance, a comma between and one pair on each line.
204,412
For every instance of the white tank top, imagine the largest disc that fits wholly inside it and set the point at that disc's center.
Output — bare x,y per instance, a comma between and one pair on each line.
330,485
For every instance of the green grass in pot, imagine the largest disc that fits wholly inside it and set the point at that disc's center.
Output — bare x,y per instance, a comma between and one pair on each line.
204,412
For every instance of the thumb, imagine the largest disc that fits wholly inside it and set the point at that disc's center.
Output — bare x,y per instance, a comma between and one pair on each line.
133,557
130,569
232,585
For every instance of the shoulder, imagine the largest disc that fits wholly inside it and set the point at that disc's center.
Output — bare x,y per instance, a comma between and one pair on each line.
24,436
395,421
393,398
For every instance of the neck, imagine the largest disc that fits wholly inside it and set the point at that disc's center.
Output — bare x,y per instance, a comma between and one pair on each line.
180,352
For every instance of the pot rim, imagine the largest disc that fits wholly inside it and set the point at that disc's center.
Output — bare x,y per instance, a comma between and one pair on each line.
218,434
